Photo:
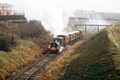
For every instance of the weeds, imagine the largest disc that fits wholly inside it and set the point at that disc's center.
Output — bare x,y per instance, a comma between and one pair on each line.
20,46
96,62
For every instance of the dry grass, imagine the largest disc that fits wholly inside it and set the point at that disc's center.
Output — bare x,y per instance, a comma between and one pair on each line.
97,60
116,31
59,66
18,57
24,48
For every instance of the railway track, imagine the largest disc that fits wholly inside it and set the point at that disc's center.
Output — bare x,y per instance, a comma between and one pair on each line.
37,68
30,72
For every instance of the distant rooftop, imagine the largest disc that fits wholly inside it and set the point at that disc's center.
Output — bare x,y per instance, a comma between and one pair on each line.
5,5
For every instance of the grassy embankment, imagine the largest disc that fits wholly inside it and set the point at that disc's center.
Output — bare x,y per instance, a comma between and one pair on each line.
20,44
59,66
97,58
116,30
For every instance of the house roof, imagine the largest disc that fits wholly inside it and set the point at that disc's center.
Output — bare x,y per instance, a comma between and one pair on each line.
5,5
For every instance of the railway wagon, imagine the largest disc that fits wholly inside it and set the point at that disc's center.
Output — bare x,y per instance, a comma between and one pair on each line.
72,36
82,32
77,34
66,39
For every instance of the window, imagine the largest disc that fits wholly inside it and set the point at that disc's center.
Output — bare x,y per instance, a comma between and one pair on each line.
5,13
0,8
8,13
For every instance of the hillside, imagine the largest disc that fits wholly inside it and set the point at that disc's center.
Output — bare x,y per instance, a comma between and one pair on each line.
98,58
116,30
21,42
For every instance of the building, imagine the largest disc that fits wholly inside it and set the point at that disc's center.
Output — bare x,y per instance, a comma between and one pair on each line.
5,9
7,13
81,14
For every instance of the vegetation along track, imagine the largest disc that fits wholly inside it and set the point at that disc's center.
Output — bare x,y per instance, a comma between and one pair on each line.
37,68
112,32
30,72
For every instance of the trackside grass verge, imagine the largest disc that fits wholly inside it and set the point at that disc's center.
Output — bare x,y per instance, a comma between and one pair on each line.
97,60
59,66
20,44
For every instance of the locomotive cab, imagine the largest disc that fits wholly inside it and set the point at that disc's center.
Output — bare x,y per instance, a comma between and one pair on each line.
59,40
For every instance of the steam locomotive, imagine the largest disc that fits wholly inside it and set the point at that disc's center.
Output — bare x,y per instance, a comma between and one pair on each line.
64,39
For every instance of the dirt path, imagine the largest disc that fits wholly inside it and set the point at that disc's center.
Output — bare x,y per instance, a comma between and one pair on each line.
112,33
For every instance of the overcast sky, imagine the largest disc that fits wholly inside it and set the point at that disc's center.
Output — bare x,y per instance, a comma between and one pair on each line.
50,12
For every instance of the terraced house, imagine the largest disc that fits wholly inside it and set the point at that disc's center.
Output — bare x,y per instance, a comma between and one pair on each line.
5,9
7,13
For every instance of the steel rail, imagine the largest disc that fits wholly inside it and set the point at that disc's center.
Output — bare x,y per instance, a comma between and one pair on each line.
19,74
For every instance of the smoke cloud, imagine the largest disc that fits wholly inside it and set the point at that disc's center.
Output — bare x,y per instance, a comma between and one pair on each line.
47,11
51,12
96,22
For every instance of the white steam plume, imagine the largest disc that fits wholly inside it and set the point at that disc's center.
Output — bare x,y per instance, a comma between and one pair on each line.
49,14
47,11
96,21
